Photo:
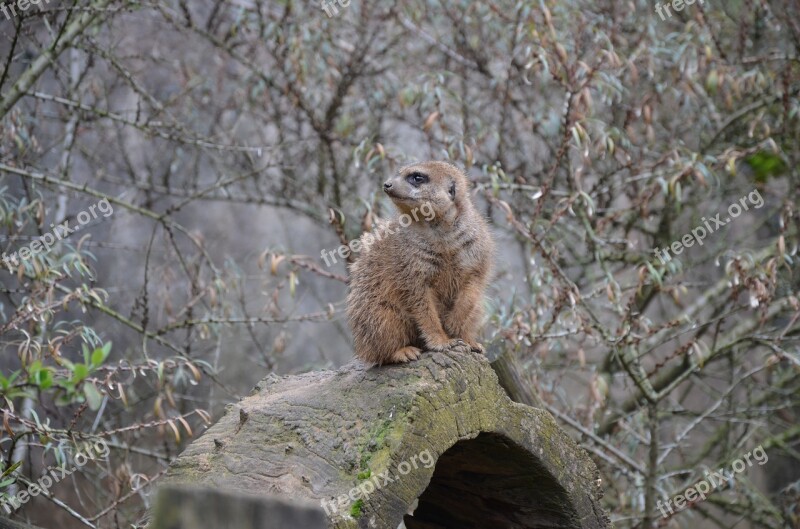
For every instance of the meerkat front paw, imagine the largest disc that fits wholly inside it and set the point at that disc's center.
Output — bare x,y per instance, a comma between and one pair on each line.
475,347
405,354
455,345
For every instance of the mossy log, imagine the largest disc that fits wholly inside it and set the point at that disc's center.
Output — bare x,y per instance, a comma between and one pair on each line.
433,444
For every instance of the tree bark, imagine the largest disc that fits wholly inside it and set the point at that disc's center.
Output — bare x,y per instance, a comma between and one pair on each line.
435,443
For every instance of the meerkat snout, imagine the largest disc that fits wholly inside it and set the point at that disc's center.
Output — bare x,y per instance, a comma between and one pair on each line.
431,183
406,188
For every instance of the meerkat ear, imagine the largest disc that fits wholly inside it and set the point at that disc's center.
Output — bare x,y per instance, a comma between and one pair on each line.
452,190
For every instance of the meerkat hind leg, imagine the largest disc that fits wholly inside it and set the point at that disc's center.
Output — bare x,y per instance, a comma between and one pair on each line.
405,354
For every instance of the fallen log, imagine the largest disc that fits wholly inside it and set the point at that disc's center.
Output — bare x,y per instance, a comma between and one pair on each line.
432,444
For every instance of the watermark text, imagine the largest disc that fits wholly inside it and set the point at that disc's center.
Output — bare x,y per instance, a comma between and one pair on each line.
713,479
367,239
702,231
52,475
60,231
362,491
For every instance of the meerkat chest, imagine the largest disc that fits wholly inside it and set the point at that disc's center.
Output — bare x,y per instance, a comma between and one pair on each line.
451,277
446,258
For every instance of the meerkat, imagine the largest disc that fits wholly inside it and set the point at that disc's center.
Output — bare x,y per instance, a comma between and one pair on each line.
420,286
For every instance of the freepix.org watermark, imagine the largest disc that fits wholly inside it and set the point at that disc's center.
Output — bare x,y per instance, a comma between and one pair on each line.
10,9
677,5
701,232
373,483
366,240
713,479
329,6
60,231
52,475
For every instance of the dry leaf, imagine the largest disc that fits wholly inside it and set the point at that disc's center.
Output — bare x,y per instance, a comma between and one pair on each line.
430,121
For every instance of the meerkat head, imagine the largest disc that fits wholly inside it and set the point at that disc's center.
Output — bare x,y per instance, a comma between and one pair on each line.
440,187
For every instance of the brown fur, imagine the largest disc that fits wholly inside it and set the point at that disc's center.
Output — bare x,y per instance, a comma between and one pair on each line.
421,287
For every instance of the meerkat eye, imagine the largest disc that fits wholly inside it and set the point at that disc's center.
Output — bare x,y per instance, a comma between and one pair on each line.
453,190
417,179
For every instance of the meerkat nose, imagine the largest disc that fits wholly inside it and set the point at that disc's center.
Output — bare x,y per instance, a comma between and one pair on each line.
387,186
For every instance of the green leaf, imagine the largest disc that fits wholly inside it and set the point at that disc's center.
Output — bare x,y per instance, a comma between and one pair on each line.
765,164
44,379
712,82
93,396
79,372
100,354
13,376
36,418
66,363
653,273
34,368
12,468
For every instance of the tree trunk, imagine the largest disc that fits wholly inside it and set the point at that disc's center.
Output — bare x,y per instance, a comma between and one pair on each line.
434,444
179,507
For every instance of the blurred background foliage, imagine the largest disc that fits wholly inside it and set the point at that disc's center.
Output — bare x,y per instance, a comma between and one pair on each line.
237,139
